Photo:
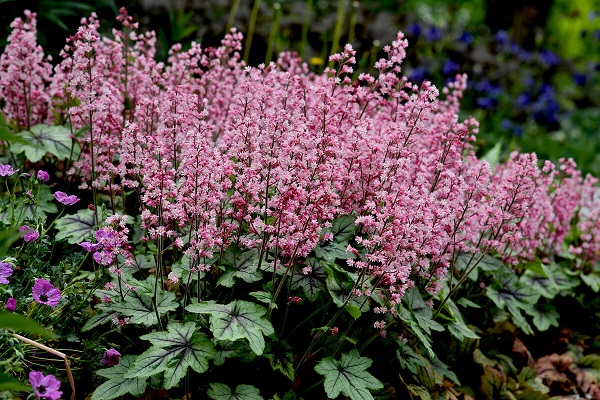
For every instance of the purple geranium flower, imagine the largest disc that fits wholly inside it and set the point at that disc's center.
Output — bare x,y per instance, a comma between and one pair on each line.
91,247
7,170
45,293
5,272
67,200
43,175
29,234
45,387
111,357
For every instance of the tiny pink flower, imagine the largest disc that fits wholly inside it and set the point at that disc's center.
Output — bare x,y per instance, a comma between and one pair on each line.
29,234
45,387
65,199
111,357
334,331
7,170
11,304
45,293
173,278
43,175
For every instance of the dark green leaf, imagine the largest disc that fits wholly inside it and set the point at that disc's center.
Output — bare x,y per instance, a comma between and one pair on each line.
544,316
139,306
220,391
348,376
117,385
19,323
281,357
173,352
237,320
311,283
13,385
408,358
239,264
75,227
44,139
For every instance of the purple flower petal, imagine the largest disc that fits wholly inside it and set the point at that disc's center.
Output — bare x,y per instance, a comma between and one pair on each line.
45,293
5,271
45,387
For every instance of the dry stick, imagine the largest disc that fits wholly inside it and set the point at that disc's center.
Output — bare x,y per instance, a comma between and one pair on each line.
56,353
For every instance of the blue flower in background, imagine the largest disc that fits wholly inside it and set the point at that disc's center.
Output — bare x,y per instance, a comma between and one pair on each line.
548,58
579,78
413,30
524,55
523,100
501,37
417,75
466,38
546,108
486,102
450,67
597,34
433,34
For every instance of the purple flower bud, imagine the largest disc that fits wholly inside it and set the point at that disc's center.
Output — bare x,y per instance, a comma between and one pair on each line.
111,357
29,234
11,304
43,176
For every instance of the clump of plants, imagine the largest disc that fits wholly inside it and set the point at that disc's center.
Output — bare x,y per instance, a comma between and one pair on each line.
207,229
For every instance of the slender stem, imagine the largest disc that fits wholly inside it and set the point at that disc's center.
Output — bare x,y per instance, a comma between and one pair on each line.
251,28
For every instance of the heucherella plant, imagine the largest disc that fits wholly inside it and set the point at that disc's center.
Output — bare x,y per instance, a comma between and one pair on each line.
280,223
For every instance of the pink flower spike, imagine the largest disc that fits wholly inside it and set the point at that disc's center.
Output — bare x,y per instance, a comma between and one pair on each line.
66,199
45,387
7,170
45,293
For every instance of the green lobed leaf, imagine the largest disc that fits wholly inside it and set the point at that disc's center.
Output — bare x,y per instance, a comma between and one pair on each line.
75,227
264,297
237,320
7,134
220,391
311,283
592,280
343,228
493,384
117,384
44,139
227,349
104,315
239,264
281,358
173,352
348,376
340,284
506,290
139,307
408,358
544,316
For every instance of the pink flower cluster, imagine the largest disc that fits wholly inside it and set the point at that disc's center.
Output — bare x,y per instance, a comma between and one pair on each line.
268,156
